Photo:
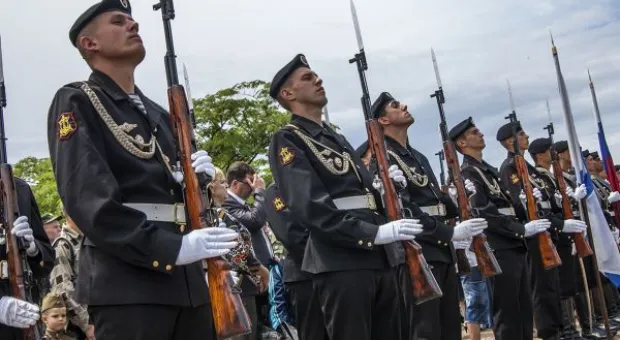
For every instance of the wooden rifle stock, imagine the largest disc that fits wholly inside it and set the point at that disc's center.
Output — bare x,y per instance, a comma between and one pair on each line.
487,263
582,246
548,252
17,263
425,286
229,315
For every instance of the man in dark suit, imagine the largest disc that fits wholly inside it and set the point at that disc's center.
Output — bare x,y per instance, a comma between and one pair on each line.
244,182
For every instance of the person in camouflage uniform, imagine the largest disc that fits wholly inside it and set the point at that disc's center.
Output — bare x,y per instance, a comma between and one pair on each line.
64,274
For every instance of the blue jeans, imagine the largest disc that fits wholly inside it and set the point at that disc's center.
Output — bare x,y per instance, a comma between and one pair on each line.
478,293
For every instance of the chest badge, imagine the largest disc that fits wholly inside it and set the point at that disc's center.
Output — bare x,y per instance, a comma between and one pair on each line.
514,178
278,204
286,155
66,125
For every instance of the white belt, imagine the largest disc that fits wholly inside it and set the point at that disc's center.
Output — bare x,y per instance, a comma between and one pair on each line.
435,210
161,212
356,202
510,211
545,204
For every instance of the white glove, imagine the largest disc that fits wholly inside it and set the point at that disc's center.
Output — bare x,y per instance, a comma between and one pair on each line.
470,187
579,193
205,243
235,277
397,175
470,228
536,226
613,197
616,233
461,244
453,194
18,313
399,230
558,198
21,228
574,226
202,163
537,196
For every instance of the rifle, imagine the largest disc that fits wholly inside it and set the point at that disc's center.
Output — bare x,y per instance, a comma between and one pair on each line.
548,252
425,286
229,315
21,278
487,263
582,246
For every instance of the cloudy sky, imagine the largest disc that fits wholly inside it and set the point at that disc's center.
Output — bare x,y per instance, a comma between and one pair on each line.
479,44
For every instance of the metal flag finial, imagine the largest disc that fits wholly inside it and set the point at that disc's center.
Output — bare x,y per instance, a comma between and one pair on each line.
356,25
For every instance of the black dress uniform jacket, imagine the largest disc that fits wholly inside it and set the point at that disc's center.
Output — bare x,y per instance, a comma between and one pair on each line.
42,264
564,239
504,231
423,190
292,235
125,259
512,183
309,179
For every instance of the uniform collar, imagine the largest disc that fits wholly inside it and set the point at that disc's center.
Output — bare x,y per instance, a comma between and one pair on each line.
311,127
110,87
403,151
469,159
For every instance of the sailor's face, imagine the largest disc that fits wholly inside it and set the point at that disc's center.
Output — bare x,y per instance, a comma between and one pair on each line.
117,36
307,87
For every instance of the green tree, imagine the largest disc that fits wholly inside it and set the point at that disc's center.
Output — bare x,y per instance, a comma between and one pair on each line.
237,123
39,174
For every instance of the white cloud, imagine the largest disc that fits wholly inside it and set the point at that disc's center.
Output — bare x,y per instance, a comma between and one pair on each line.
479,44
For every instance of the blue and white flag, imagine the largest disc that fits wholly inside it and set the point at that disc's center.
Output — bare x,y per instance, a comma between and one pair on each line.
605,248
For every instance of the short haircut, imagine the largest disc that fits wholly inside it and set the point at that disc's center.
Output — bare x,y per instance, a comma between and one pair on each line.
238,171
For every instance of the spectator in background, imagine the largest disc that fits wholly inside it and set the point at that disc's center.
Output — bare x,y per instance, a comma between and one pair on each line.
51,224
244,183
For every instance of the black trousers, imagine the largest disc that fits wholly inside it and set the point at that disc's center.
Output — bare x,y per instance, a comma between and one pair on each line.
407,307
148,322
512,297
359,304
439,318
307,310
545,294
568,282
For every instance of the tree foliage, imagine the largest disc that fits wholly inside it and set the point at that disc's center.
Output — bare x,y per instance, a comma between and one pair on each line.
39,174
237,123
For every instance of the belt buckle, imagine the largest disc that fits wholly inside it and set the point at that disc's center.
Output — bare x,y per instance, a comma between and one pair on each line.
4,270
175,213
370,202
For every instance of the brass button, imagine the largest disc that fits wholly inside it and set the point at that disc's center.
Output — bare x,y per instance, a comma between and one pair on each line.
168,267
370,244
438,241
155,264
445,244
42,264
516,234
360,242
182,227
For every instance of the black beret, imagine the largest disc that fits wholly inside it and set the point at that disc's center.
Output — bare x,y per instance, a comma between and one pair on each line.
460,128
585,153
94,10
280,78
595,155
617,167
379,105
560,146
539,145
505,131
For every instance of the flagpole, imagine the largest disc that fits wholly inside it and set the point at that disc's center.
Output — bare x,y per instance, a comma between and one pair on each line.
576,158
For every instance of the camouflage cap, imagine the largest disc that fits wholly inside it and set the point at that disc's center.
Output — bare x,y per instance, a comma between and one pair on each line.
52,300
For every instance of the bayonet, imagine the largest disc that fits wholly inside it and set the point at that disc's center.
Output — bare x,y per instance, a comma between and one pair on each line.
436,69
190,102
510,99
356,24
550,126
